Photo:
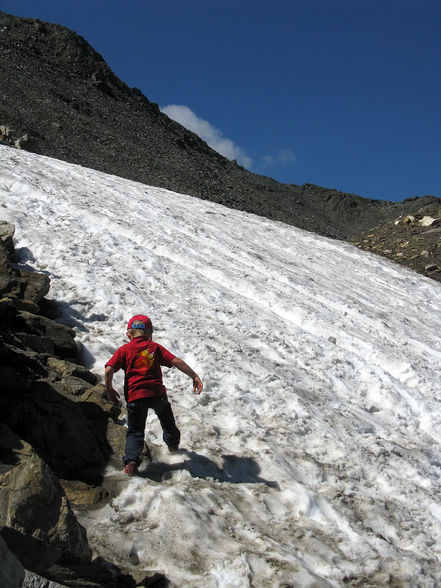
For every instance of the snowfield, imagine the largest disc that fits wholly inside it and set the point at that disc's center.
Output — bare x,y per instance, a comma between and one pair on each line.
312,458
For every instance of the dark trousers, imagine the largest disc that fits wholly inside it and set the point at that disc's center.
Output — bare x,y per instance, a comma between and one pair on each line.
137,411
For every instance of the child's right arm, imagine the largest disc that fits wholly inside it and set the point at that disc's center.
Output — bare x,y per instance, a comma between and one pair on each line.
112,394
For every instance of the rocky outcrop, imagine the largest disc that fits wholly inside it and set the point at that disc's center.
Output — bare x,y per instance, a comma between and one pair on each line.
60,93
24,288
413,240
9,137
34,509
57,434
11,570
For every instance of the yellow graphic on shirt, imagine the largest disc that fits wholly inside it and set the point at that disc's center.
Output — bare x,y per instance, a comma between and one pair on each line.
144,359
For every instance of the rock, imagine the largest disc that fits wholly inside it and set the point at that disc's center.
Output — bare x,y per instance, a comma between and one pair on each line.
34,286
6,274
13,383
116,437
37,343
428,221
33,503
11,570
66,369
71,388
33,553
32,580
62,337
27,305
414,241
153,580
18,143
98,396
70,436
29,287
75,386
81,493
7,232
24,285
55,420
8,312
24,362
98,574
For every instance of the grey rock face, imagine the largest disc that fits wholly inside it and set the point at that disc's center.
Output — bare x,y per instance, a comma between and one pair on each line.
55,423
33,503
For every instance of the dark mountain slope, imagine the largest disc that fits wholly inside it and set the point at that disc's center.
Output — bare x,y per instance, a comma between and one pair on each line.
59,93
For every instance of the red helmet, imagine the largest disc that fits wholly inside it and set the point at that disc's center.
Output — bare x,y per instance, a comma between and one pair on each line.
140,321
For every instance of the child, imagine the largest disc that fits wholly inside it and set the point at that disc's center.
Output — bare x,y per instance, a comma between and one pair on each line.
141,360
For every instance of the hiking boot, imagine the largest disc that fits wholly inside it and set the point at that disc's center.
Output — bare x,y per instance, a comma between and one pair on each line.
131,468
173,448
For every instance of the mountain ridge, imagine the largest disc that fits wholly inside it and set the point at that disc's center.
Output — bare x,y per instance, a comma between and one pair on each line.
61,99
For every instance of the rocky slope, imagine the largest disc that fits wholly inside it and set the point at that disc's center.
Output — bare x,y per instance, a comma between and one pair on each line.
59,98
411,240
57,434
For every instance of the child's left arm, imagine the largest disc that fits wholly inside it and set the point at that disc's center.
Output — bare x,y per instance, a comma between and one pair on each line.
186,369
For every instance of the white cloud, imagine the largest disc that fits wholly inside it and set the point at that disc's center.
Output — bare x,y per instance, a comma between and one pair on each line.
206,131
284,156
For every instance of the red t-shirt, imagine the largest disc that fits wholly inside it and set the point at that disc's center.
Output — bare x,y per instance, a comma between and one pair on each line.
141,360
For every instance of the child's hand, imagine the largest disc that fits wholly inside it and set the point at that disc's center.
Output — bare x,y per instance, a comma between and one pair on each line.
197,385
113,395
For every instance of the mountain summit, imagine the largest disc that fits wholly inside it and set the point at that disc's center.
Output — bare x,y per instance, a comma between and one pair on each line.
59,98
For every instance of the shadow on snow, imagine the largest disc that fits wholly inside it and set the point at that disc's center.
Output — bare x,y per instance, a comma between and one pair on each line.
234,470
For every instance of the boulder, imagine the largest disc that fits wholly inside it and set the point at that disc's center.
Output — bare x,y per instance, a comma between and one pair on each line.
75,386
7,232
80,493
37,343
32,580
69,435
67,369
33,553
23,284
33,503
8,310
98,574
11,570
25,361
429,221
33,285
6,274
62,337
116,437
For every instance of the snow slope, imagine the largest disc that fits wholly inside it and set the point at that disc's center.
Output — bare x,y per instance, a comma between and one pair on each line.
313,456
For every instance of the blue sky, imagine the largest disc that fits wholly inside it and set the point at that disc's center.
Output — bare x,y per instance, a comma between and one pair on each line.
341,93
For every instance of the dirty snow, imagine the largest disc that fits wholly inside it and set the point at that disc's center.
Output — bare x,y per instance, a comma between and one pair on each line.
312,458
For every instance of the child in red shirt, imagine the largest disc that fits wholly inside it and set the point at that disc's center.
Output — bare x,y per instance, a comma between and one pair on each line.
141,360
